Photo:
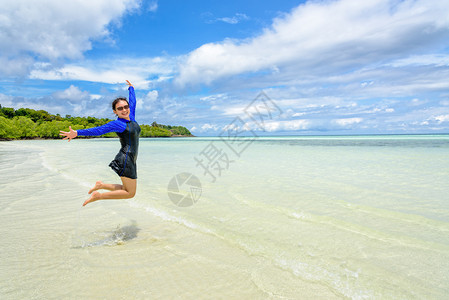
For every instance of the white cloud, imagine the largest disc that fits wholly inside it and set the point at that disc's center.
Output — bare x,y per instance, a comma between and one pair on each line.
423,60
324,36
209,127
148,101
347,121
214,97
268,126
6,100
290,125
52,29
69,101
442,118
152,96
152,6
14,66
237,18
112,71
72,94
228,110
416,102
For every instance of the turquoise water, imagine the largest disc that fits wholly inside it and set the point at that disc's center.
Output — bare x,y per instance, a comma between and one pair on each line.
359,217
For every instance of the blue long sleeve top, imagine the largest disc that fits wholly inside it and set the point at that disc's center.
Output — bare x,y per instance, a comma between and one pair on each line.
118,125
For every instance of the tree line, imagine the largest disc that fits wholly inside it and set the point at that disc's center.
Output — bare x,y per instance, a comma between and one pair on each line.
27,123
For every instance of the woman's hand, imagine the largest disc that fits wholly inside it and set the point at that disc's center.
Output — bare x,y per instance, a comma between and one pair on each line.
69,135
129,83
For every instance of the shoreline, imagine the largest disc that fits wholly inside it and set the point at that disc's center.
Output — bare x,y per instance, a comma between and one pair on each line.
259,136
93,137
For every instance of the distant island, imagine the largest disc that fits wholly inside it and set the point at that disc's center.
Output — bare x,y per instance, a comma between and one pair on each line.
26,123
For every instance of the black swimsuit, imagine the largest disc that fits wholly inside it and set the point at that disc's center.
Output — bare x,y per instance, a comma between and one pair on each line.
124,163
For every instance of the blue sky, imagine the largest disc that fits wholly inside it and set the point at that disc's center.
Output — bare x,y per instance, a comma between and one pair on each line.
332,67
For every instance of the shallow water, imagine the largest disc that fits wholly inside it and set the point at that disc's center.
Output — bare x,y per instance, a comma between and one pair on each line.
360,217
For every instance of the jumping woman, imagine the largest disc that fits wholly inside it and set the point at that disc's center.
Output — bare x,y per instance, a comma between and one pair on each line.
124,163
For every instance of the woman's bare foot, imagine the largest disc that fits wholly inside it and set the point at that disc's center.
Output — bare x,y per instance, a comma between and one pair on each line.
96,187
95,196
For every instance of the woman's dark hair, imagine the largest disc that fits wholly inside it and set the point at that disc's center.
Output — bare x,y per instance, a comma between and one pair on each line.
114,103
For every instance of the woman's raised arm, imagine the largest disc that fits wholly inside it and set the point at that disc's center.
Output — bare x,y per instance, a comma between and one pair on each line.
132,101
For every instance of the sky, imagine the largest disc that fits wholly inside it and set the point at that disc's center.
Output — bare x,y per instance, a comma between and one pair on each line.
327,67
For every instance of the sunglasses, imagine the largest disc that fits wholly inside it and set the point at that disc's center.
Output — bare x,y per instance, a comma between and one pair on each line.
122,107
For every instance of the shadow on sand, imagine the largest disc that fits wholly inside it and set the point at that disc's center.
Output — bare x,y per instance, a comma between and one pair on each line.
117,237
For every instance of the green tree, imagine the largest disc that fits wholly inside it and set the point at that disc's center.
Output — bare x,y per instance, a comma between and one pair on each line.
22,112
25,127
7,129
34,115
51,129
7,112
151,131
29,123
180,130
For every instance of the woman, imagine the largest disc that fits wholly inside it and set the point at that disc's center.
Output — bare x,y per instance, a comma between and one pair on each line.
124,163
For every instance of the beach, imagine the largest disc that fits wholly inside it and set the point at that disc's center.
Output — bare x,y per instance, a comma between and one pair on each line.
301,217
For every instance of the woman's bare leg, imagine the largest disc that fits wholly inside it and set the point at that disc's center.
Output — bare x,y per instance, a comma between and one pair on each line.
105,186
128,191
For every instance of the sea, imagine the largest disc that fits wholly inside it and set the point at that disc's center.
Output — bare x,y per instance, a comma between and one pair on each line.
291,217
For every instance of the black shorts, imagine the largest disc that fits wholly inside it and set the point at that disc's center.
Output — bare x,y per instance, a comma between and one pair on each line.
124,165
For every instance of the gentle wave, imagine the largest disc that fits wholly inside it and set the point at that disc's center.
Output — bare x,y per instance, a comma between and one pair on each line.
304,216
